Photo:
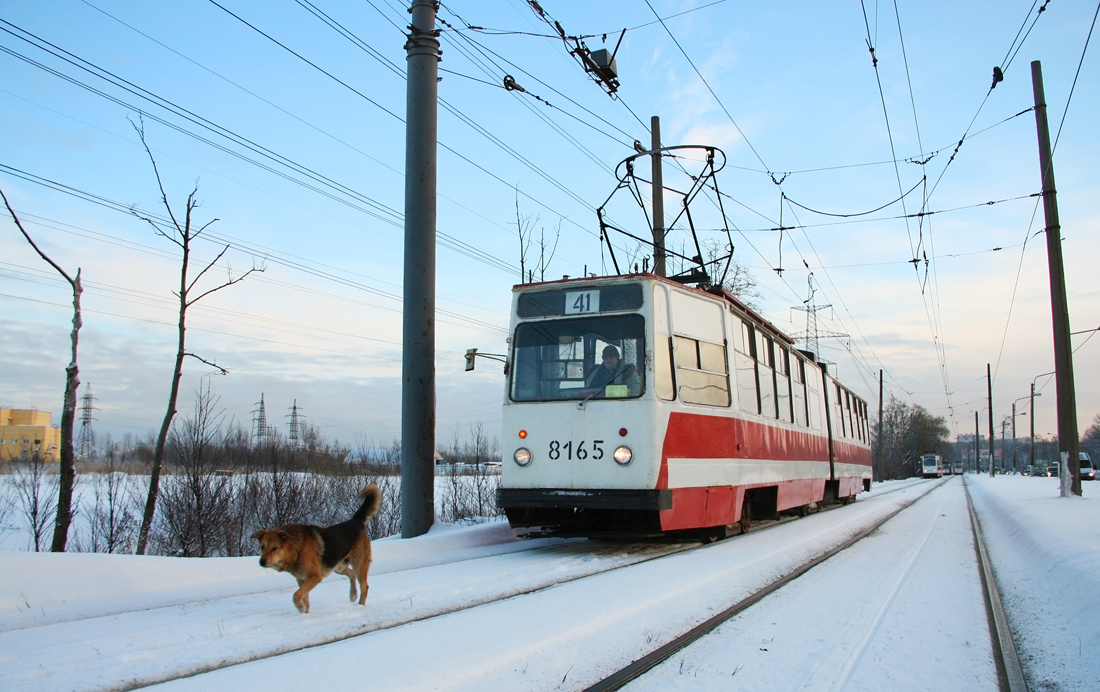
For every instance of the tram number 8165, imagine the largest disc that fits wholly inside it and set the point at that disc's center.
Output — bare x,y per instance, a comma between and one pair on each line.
569,450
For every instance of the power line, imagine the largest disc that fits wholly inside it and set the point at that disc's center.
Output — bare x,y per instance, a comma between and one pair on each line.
341,193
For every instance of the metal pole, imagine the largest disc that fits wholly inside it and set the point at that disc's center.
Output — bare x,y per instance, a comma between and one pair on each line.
992,439
418,323
658,199
1059,305
977,446
1013,437
1031,451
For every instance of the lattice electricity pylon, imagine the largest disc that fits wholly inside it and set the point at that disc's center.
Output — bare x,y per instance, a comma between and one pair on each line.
85,445
261,431
812,335
295,425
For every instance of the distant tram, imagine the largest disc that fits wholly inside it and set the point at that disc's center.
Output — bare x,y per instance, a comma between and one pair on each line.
931,466
637,405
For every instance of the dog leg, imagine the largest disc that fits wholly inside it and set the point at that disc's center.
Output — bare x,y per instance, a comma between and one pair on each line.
301,596
363,588
346,570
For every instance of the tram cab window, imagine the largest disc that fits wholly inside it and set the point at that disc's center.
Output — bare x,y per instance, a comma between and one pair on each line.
565,359
702,373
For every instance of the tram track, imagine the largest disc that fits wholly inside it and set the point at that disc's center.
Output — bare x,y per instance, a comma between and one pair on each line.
1004,649
642,665
640,553
594,551
655,551
1004,645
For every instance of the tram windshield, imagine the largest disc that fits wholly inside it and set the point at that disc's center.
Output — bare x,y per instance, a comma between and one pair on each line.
580,358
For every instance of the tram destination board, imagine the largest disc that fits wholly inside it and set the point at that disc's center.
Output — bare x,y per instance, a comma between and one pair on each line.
578,301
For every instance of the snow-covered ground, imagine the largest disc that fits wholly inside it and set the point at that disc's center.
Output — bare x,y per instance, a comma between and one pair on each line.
901,610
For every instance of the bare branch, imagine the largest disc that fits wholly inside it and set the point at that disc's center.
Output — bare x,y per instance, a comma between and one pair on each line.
213,365
28,237
225,285
160,184
156,226
206,269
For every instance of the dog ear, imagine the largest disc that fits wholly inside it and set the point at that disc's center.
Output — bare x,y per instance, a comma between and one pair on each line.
259,535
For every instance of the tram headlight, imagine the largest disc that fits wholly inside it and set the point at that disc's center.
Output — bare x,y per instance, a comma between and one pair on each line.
522,456
623,455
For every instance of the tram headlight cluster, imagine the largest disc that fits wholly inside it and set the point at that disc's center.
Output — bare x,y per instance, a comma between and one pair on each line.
623,455
522,456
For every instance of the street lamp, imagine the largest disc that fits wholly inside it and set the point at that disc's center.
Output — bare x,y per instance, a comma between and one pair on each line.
1033,395
1023,413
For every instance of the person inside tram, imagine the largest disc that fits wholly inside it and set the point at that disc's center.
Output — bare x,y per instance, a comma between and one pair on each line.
613,371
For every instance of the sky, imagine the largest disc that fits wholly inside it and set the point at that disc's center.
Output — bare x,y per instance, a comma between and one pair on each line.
925,254
902,609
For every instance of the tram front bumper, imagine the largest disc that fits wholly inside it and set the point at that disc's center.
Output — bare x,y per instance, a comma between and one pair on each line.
582,498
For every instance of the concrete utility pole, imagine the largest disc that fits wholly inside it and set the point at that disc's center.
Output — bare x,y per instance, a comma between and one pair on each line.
1068,442
658,199
418,324
877,475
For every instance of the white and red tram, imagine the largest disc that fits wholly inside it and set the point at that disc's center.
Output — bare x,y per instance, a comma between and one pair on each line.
712,420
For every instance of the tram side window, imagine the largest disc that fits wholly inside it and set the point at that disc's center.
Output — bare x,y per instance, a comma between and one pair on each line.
863,421
798,391
838,412
783,384
746,371
765,361
702,376
814,398
848,414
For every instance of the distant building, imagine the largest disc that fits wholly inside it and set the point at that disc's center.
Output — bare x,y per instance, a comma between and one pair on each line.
24,432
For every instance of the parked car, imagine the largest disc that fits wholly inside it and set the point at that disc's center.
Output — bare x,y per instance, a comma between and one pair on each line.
1052,471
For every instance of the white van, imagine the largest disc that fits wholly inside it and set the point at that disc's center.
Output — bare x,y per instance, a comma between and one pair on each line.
1088,473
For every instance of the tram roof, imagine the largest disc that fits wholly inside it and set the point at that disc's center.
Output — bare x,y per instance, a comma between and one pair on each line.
715,293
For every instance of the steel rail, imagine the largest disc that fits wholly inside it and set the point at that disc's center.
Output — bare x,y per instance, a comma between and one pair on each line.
642,665
1004,646
378,627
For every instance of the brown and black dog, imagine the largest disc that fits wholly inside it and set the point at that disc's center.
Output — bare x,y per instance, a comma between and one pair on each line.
311,553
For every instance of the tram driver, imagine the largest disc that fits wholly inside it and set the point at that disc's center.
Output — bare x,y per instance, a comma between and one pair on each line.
614,372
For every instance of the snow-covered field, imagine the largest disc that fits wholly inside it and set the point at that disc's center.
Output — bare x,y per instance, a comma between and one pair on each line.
901,610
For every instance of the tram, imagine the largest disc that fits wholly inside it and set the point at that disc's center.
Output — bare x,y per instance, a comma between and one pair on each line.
637,405
931,466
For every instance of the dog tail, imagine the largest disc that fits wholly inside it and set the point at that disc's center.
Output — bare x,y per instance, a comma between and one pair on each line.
372,500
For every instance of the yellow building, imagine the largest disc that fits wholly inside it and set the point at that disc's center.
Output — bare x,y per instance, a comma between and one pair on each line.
24,432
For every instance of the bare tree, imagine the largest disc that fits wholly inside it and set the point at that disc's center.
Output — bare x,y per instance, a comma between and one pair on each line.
908,431
525,227
112,518
182,233
737,280
197,500
34,497
67,475
544,258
